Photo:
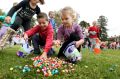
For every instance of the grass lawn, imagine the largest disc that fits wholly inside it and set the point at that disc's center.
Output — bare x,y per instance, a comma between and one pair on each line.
103,66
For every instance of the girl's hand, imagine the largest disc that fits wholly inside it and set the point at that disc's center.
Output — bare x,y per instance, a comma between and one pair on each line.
44,55
77,44
56,42
80,42
8,19
25,37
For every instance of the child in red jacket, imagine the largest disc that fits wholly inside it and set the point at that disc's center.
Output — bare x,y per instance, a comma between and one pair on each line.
25,11
94,32
45,37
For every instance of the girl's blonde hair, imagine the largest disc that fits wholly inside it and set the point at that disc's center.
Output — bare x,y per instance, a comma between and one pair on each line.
70,11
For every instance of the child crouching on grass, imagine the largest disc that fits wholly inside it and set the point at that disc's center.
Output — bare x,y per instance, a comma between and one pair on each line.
71,33
25,11
45,37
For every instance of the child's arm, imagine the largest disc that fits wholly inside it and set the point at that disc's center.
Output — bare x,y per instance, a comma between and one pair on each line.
25,37
60,33
17,7
14,9
49,40
48,44
80,33
38,10
80,42
98,32
33,31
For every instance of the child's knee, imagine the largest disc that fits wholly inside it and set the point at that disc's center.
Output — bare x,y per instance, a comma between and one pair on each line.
35,37
74,37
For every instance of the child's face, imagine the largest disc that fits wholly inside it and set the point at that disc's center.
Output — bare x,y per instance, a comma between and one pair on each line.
52,15
67,19
34,1
43,22
94,23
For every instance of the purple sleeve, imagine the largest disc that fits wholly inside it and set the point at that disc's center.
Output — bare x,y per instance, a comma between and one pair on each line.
60,33
79,31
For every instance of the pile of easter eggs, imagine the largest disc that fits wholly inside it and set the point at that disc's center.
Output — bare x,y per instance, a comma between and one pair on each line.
52,66
47,67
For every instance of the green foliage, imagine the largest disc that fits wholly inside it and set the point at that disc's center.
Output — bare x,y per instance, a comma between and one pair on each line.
58,18
84,24
102,22
1,12
32,22
77,16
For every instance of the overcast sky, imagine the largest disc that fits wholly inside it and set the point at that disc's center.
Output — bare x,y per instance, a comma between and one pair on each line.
89,10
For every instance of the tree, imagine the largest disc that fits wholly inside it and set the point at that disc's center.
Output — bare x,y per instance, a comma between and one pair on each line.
58,18
32,22
102,22
84,24
1,12
77,16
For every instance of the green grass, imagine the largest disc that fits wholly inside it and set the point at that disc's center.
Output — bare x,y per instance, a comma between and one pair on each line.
91,67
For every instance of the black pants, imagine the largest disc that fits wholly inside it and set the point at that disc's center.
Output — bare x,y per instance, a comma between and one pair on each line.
85,43
18,22
73,37
21,22
38,41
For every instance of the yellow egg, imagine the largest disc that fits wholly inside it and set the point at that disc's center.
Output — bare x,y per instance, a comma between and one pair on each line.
63,70
38,71
11,68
